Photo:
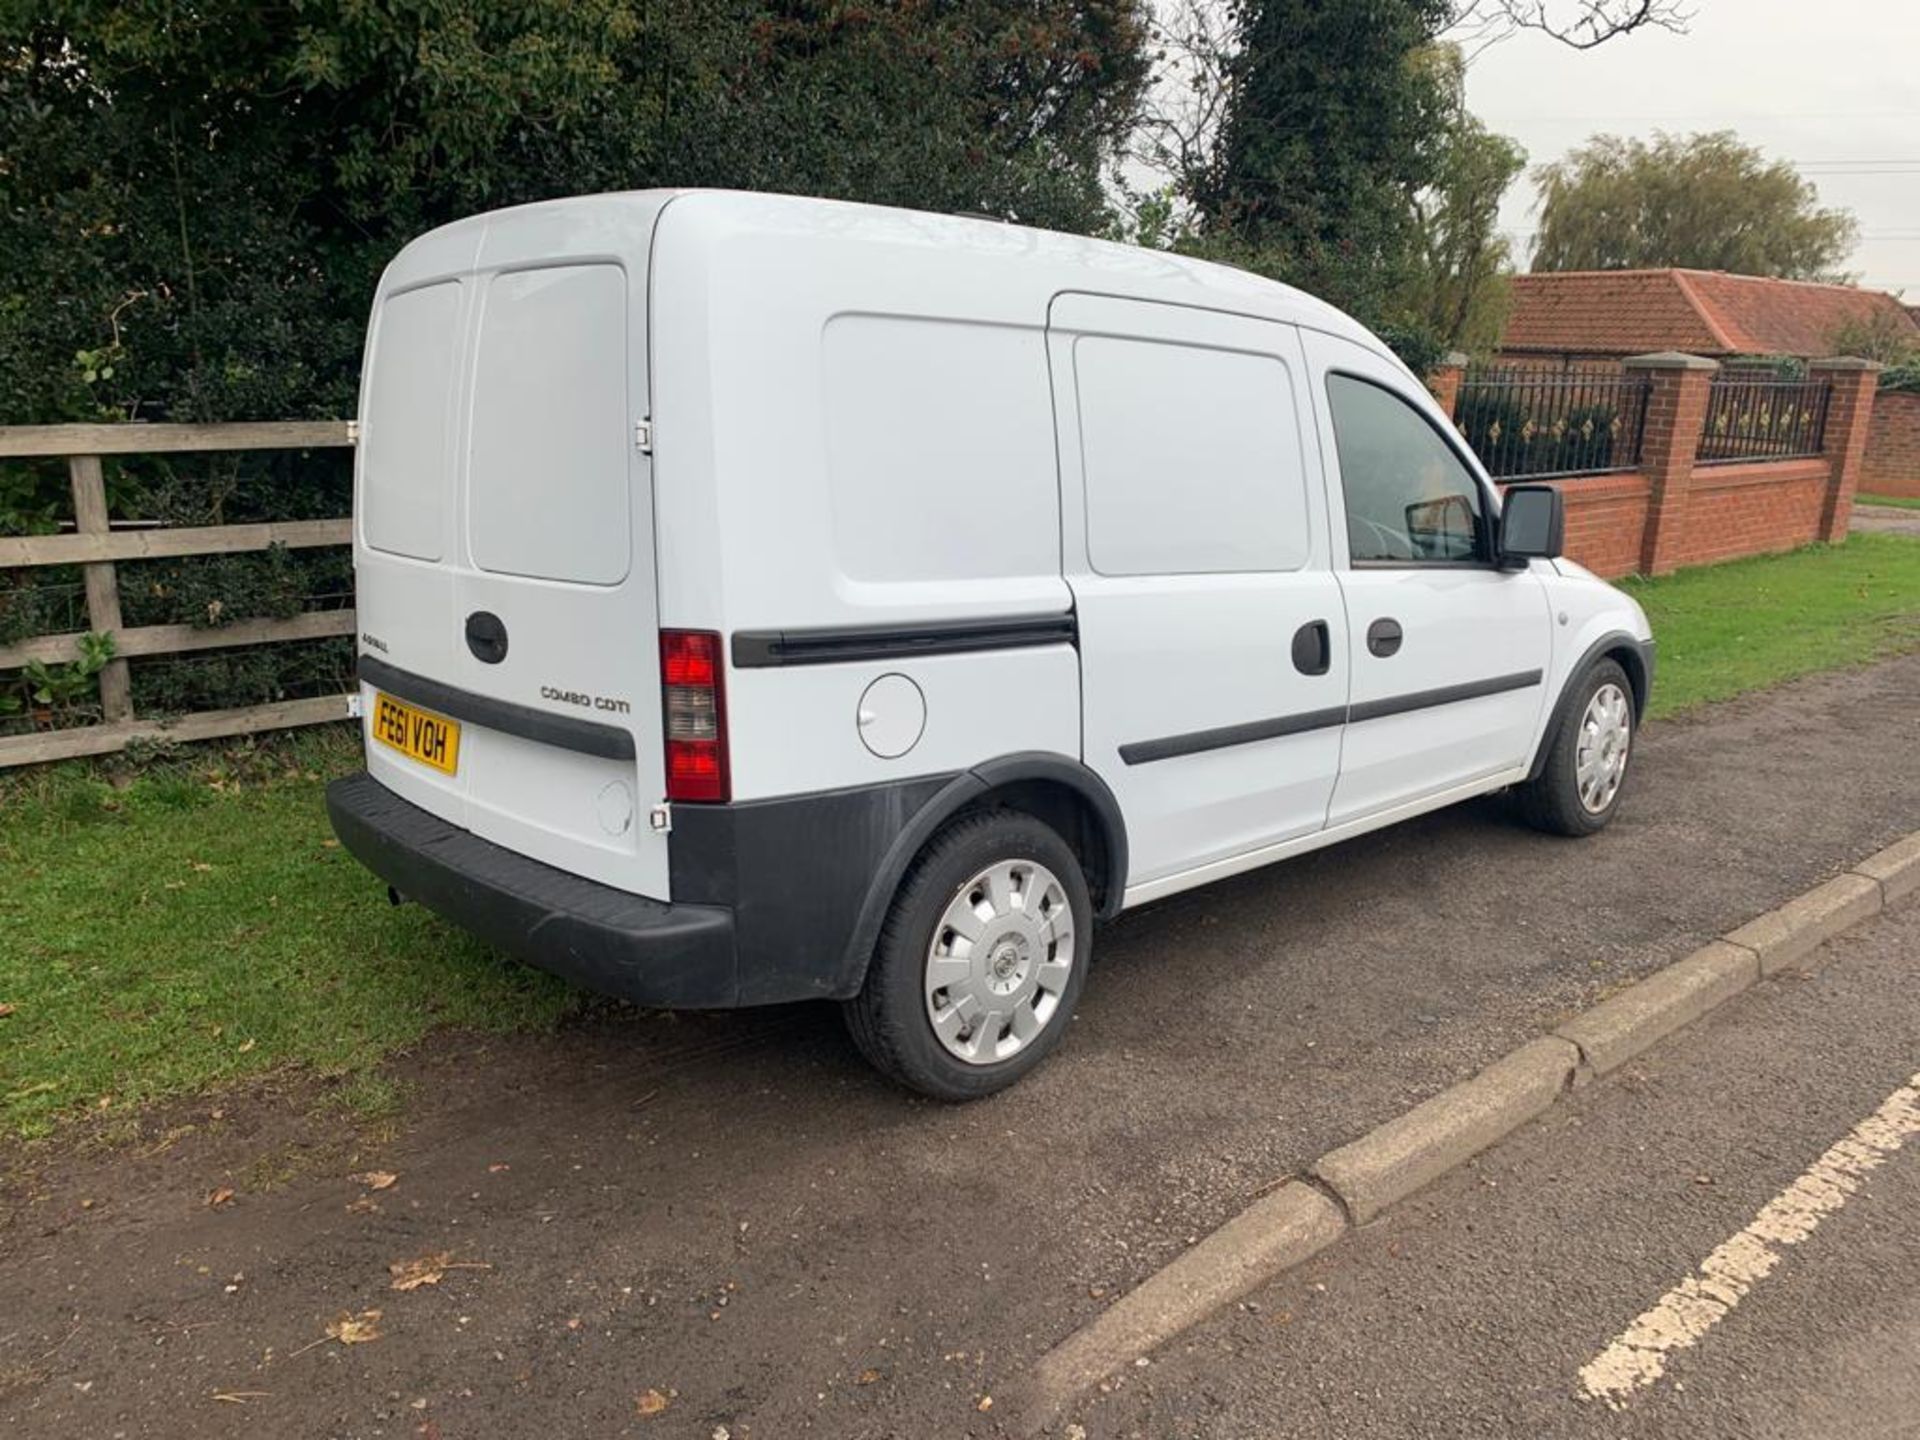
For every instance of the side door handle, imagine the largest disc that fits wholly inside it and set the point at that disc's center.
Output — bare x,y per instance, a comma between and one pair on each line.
1384,637
1313,648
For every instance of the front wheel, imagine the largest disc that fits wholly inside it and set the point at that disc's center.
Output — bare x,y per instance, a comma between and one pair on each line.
981,959
1579,786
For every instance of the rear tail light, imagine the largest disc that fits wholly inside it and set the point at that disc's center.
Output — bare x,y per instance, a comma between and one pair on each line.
693,689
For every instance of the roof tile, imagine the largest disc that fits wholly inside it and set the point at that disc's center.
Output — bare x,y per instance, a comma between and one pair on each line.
1702,312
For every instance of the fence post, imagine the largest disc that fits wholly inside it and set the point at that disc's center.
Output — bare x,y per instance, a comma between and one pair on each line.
1678,387
1849,413
103,588
1445,380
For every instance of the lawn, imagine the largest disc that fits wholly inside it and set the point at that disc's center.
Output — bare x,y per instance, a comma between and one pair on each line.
186,926
199,925
1724,629
1902,502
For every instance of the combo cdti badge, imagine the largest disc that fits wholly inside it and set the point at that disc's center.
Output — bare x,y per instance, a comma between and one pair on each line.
766,598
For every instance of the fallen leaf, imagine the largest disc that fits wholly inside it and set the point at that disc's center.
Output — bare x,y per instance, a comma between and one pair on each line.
429,1269
329,844
497,1167
355,1329
365,1205
986,1403
867,1377
248,1046
5,1010
222,1196
374,1179
240,1397
650,1402
201,866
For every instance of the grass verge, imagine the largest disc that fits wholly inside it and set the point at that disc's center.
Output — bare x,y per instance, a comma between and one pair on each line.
176,930
1726,629
1899,502
185,924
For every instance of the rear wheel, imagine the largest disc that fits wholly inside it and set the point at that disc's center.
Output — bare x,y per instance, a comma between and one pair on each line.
1579,786
981,959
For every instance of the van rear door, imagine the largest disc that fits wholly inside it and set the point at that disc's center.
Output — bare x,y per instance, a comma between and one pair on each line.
504,550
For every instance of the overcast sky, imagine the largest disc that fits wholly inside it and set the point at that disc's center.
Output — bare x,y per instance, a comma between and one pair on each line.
1832,85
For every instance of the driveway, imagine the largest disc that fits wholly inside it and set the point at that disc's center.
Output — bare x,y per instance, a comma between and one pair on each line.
708,1223
1890,518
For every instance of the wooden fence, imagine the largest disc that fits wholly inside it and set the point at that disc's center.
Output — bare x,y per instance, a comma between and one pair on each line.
95,546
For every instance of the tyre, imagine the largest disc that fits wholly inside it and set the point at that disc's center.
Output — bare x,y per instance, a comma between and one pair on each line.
1579,787
980,961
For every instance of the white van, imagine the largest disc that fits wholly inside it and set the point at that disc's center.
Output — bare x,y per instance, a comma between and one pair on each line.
767,598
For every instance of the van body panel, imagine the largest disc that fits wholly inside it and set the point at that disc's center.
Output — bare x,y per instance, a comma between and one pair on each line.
548,524
791,500
797,729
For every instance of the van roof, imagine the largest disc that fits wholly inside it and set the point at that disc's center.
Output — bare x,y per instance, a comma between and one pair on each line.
993,254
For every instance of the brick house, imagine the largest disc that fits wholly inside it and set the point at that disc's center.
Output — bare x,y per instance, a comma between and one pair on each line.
1599,317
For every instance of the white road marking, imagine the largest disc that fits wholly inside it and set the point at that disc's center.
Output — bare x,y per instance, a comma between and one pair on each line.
1686,1312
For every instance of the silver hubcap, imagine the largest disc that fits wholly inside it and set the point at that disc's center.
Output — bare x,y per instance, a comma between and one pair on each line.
999,961
1606,734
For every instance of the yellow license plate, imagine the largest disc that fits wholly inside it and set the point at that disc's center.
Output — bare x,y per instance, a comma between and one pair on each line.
418,734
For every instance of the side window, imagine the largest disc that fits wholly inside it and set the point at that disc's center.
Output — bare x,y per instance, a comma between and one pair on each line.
1193,459
1409,499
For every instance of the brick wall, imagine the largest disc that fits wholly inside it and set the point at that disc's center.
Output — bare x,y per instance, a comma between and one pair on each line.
1752,509
1606,518
1673,511
1892,465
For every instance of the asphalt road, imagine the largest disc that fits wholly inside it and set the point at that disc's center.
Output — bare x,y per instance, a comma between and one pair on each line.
733,1212
1474,1309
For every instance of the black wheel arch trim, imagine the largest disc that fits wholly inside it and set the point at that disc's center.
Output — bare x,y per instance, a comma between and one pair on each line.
963,790
1639,657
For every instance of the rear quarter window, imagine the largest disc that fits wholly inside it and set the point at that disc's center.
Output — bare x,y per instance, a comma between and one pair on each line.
940,449
1192,459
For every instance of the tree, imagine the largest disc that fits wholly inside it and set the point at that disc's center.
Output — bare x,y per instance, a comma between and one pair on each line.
1581,24
1327,143
1322,139
197,196
1458,293
1886,337
1706,202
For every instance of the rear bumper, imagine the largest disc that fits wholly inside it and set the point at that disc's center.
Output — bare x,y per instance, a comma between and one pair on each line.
648,951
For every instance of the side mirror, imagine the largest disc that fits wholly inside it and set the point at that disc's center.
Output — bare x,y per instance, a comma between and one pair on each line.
1533,524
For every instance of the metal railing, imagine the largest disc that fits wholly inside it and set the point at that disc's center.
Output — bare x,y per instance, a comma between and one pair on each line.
1532,423
1753,418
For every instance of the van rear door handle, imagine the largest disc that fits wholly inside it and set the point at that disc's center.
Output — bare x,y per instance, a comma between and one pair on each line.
1384,637
1313,648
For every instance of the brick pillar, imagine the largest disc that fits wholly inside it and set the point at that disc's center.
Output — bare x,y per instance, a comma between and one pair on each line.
1849,413
1676,414
1445,380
